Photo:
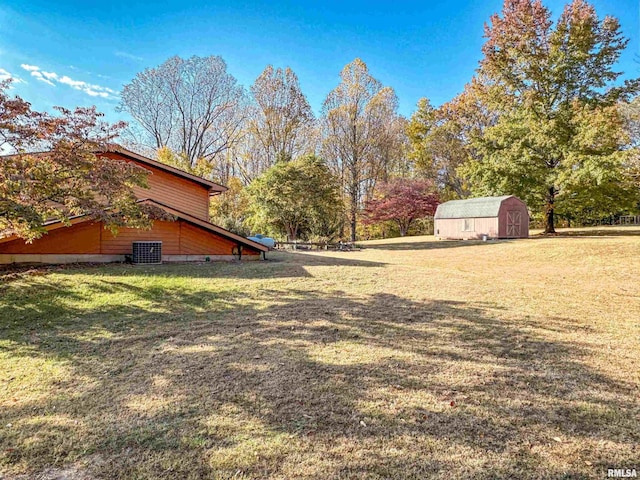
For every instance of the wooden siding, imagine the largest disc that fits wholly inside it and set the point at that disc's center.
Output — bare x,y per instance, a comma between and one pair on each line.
178,238
79,238
166,232
453,228
493,227
195,240
510,205
171,190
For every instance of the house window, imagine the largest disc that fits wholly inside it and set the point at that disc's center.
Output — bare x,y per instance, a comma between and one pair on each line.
468,225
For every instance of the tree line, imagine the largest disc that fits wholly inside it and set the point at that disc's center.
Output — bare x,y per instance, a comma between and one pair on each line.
544,117
193,113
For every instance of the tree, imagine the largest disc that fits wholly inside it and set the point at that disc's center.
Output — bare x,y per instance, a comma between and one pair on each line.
282,118
631,115
550,90
193,106
66,178
402,201
295,198
230,209
438,146
200,167
357,116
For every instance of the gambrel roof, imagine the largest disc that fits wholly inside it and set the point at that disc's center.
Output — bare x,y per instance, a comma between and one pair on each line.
480,207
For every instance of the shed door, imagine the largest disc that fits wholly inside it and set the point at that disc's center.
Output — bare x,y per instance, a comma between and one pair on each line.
514,223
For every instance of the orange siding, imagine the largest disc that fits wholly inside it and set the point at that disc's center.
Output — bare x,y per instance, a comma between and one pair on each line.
176,192
195,240
178,238
166,232
81,238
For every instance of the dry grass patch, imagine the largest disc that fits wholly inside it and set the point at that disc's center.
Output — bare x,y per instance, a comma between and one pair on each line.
408,359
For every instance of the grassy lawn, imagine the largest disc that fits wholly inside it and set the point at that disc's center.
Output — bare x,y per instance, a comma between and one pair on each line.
408,359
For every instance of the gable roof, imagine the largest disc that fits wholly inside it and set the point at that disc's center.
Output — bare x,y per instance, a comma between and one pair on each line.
211,186
478,207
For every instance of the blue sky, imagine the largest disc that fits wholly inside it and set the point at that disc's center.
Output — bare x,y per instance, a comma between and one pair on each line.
74,53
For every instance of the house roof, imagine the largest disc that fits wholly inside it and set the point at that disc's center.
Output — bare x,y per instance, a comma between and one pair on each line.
471,208
212,186
54,224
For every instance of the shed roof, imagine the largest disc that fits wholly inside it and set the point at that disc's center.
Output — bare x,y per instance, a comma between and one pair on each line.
480,207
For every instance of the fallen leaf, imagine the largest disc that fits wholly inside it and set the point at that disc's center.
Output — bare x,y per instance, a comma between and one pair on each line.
557,439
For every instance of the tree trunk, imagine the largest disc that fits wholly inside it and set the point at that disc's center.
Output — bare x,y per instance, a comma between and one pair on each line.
292,233
354,206
355,178
403,227
549,226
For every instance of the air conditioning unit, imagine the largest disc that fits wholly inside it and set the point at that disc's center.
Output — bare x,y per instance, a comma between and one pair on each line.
148,253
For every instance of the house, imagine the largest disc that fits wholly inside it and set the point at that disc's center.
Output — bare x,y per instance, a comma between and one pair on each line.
190,237
495,217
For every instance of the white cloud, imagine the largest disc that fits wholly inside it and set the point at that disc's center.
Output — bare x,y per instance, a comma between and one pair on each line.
127,55
72,83
6,75
39,76
88,88
53,79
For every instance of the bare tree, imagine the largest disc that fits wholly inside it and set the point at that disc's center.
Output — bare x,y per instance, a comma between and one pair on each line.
193,106
282,116
358,116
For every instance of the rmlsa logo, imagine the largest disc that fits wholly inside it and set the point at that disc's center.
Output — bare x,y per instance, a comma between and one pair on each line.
622,473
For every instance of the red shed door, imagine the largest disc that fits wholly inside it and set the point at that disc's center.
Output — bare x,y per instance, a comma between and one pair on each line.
514,223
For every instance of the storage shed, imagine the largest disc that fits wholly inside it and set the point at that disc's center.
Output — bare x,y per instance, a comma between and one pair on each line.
495,217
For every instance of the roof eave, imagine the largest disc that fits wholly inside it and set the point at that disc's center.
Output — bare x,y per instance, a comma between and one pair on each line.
212,186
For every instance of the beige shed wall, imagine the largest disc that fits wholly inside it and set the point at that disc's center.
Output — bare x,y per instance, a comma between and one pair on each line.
452,228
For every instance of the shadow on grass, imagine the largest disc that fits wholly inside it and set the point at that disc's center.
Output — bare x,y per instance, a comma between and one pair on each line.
277,265
206,384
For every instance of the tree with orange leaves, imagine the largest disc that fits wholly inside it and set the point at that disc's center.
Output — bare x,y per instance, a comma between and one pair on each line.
50,170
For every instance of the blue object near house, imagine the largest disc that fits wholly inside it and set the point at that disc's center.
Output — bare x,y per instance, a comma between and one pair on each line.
266,241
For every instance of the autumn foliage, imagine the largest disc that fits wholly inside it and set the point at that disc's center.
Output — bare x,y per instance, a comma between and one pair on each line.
402,201
51,171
